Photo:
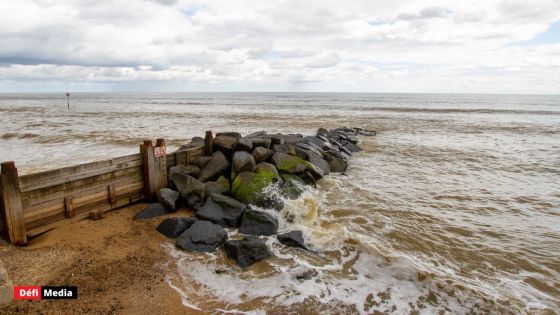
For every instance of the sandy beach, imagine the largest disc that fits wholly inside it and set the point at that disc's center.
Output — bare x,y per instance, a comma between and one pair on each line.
118,265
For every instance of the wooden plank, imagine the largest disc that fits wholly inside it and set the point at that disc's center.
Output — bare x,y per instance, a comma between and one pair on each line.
84,204
29,185
42,229
112,194
69,206
57,192
12,210
82,168
208,143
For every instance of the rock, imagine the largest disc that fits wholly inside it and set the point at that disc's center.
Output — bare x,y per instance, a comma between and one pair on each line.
322,131
292,238
277,139
313,140
152,211
305,274
256,134
168,198
191,170
301,153
258,223
244,144
261,142
222,210
243,162
250,188
336,164
224,144
319,162
173,227
235,135
292,187
284,148
310,147
220,186
202,236
246,251
191,190
322,137
261,154
195,143
216,167
289,163
201,161
343,149
351,146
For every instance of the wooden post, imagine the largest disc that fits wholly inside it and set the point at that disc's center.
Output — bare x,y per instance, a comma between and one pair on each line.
155,167
12,210
208,143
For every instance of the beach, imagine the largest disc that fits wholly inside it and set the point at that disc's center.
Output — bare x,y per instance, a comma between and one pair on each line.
453,206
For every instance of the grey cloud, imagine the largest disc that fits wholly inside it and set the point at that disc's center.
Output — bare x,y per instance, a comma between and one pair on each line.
426,13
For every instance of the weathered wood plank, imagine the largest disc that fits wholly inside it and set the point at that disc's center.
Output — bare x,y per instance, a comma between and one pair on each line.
69,206
208,143
105,208
42,195
12,210
29,185
82,168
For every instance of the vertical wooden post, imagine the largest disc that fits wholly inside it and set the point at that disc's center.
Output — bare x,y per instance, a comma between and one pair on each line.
208,143
155,167
12,210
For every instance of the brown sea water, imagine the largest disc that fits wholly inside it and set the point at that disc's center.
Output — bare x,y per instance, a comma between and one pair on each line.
453,207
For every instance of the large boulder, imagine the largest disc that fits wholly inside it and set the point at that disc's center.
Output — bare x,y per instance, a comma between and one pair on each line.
222,210
351,146
191,170
168,198
202,236
195,143
292,187
201,161
256,134
250,188
173,227
261,154
225,144
284,148
336,164
319,162
244,144
216,167
151,211
261,142
191,190
247,251
232,134
258,223
243,162
289,163
293,239
220,186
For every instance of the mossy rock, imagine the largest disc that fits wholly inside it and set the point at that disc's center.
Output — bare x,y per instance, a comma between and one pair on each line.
292,187
250,187
295,165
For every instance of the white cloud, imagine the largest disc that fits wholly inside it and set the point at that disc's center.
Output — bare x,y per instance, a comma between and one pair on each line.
375,46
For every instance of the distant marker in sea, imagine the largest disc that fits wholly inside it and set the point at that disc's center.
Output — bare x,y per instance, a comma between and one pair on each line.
68,99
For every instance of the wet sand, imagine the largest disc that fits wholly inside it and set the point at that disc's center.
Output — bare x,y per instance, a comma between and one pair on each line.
118,264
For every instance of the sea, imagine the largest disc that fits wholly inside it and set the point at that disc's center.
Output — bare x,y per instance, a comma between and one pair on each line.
452,208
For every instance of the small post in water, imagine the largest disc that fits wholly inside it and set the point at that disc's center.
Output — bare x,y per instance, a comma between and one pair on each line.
68,99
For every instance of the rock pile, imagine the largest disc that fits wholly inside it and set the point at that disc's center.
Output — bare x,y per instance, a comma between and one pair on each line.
225,187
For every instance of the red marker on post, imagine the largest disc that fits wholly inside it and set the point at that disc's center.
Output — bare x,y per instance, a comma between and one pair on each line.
68,98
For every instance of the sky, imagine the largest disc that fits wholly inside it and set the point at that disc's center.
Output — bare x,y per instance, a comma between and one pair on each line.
394,46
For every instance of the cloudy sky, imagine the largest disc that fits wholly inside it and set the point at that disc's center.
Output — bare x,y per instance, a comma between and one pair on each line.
476,46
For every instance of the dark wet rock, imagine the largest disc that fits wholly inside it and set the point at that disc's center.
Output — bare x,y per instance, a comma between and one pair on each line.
168,198
224,144
314,141
202,236
310,147
216,167
333,152
222,210
247,251
321,131
191,170
195,143
256,222
261,154
235,135
319,162
277,139
243,162
337,165
305,274
301,153
256,134
261,142
322,137
345,150
351,146
201,161
292,187
152,211
308,179
191,190
284,148
365,132
220,186
244,144
292,238
173,227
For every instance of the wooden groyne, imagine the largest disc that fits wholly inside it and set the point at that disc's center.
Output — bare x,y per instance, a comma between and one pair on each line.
35,203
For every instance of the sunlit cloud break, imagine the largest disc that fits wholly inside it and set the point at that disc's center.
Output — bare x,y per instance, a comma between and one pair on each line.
509,46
